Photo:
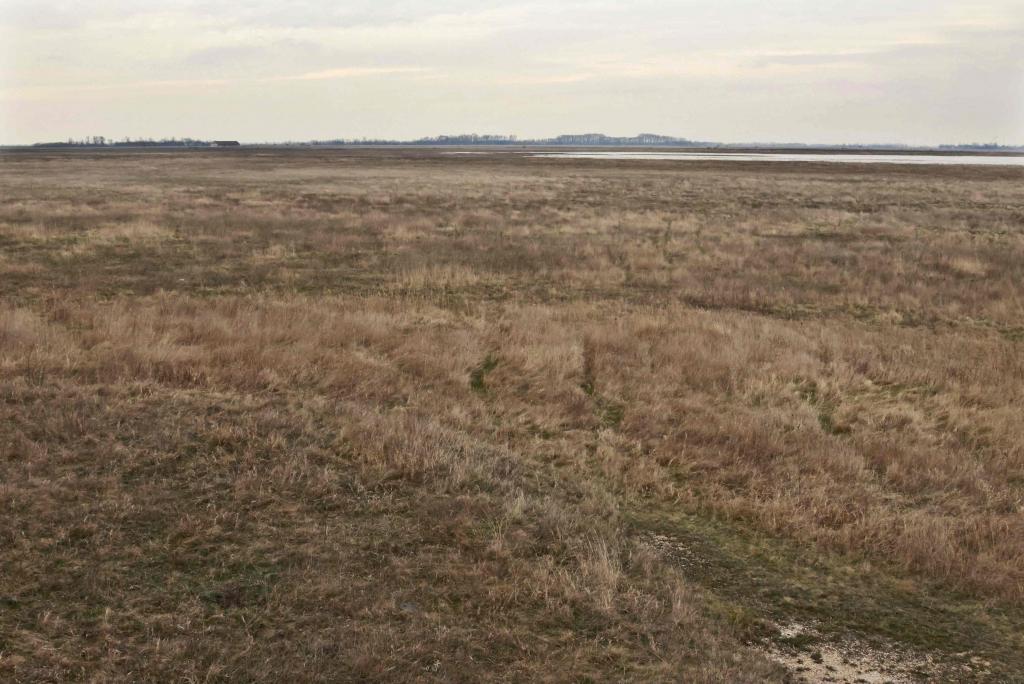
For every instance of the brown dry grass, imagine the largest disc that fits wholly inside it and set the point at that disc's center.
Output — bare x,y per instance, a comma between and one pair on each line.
395,415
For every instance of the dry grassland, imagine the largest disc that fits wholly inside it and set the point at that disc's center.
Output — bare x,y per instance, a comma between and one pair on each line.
400,415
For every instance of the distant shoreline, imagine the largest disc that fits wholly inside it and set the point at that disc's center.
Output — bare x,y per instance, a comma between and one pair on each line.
680,149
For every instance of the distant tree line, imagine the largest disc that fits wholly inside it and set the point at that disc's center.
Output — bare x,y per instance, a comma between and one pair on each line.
478,139
979,146
575,139
101,141
463,139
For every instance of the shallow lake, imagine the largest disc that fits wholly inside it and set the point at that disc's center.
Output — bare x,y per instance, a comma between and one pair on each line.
837,157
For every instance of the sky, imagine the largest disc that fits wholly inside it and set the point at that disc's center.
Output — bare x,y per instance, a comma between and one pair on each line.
817,71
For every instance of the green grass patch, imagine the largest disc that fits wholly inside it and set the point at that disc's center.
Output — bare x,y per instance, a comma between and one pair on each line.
839,596
478,375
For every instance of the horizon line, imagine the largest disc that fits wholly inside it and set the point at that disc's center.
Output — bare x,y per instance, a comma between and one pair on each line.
588,139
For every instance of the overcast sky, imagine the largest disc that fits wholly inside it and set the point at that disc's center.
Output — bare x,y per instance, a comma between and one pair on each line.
914,71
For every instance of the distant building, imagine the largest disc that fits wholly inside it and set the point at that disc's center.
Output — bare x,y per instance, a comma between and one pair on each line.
225,143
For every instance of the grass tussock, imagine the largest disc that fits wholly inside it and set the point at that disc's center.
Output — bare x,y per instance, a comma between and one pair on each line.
415,417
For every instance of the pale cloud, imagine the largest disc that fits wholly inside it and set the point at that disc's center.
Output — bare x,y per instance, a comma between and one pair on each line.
353,72
910,70
324,75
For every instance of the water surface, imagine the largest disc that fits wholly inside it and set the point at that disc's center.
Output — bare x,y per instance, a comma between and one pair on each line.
834,157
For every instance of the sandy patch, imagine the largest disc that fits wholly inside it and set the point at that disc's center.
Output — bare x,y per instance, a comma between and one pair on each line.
850,661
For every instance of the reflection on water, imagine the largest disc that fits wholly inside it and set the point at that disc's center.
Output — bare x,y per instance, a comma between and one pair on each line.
971,159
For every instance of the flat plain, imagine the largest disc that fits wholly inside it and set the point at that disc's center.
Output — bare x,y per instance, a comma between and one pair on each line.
403,415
